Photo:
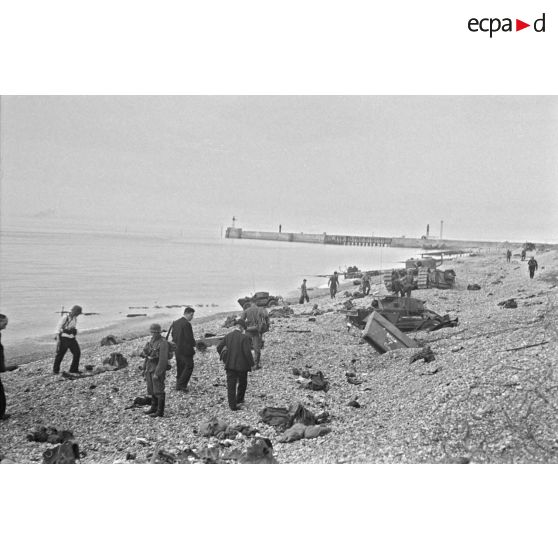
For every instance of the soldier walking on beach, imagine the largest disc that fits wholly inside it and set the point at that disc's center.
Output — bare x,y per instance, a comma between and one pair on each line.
508,255
3,415
533,266
523,254
333,284
257,323
156,354
66,339
238,362
366,284
303,293
183,337
396,283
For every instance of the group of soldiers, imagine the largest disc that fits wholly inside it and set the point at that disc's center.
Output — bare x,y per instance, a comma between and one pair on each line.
240,351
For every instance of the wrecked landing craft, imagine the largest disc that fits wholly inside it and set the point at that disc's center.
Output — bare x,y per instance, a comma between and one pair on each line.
384,336
407,314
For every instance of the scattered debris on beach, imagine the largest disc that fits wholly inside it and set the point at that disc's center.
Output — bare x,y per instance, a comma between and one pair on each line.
487,397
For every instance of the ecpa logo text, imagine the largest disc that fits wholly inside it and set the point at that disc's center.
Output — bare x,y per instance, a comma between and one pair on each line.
494,24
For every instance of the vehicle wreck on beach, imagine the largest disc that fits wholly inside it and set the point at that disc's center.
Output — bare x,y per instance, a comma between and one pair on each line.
407,314
425,274
262,298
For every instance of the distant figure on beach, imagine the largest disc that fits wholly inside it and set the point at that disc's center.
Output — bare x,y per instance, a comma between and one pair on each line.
238,362
365,284
396,283
533,266
156,354
257,323
523,254
183,337
406,284
3,415
333,284
303,293
66,339
508,255
280,228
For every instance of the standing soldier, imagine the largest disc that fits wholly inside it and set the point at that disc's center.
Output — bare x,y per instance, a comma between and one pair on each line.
396,283
508,255
333,284
303,293
407,284
257,323
238,362
533,265
66,339
156,353
183,337
523,254
365,284
3,415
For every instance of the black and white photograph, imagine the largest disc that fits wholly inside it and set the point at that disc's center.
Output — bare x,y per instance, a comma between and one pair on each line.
263,279
311,235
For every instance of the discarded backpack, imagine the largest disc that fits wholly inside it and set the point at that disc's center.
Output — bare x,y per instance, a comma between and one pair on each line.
510,303
259,452
300,414
50,434
318,382
212,427
65,453
275,416
108,340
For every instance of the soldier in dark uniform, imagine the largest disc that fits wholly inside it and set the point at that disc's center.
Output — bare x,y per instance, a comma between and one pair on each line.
183,337
395,283
238,362
366,284
333,284
303,293
533,265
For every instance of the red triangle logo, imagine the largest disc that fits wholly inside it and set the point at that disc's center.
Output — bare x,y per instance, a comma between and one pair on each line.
519,25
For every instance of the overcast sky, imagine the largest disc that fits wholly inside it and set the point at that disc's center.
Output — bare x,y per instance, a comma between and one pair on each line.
487,166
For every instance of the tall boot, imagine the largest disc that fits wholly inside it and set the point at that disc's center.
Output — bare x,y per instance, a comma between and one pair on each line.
153,408
160,406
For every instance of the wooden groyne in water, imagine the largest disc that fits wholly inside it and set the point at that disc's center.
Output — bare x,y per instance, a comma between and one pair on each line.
355,240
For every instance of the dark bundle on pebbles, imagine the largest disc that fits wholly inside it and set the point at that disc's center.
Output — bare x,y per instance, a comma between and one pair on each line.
109,340
50,434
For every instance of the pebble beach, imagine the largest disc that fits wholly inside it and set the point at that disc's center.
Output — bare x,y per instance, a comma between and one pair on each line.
490,395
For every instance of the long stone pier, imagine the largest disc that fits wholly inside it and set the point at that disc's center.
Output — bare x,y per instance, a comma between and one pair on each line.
347,240
354,240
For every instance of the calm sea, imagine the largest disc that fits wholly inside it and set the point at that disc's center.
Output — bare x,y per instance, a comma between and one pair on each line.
41,272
